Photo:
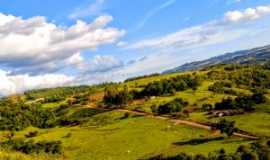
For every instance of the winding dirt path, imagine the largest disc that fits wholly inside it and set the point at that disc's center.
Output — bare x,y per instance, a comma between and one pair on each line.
186,122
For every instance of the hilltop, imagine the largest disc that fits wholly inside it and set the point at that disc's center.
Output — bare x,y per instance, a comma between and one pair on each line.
251,56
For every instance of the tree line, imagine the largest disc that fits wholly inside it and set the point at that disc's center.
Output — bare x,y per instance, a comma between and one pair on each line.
246,103
115,96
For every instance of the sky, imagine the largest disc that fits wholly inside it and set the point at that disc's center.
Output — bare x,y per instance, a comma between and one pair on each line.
65,42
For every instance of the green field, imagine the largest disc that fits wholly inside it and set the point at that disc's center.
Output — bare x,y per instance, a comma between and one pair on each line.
131,138
114,135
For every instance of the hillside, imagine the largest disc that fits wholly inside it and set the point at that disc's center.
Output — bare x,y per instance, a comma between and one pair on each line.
223,110
256,55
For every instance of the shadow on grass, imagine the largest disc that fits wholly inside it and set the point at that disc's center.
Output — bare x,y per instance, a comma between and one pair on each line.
197,141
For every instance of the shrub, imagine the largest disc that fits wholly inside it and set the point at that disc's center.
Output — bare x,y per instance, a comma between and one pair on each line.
221,87
171,107
29,147
31,134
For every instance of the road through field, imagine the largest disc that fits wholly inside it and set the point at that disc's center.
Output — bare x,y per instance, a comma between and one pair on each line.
185,122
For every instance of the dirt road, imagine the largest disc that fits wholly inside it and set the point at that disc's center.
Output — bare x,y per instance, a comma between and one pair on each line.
185,122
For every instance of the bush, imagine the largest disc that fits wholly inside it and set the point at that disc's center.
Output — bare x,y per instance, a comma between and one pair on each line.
221,87
78,117
31,134
53,98
29,147
171,107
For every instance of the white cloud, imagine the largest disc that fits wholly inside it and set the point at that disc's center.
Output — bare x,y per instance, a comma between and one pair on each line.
211,32
75,59
19,83
93,9
36,43
101,64
248,14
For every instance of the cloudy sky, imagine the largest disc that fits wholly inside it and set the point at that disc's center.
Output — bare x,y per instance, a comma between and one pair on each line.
66,42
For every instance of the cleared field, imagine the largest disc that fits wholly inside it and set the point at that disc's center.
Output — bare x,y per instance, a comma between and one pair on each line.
108,136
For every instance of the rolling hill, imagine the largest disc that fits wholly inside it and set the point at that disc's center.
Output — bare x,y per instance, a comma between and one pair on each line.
220,111
256,55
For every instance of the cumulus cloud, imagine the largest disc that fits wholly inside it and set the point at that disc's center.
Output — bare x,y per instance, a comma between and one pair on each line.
11,84
37,43
248,14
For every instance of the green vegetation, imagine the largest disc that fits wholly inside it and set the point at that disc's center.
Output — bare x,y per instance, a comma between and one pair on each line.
254,151
227,127
166,115
29,147
171,107
19,116
242,102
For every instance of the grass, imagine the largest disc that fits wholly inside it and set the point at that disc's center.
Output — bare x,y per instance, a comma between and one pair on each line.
255,122
9,155
111,135
126,139
52,105
196,99
130,138
230,145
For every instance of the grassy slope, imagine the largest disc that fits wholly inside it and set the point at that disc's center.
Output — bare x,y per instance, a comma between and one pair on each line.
130,138
106,136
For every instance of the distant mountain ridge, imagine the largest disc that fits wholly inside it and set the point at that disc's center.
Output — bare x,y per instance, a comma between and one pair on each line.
255,55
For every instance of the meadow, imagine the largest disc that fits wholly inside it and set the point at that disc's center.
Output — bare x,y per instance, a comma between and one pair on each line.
88,128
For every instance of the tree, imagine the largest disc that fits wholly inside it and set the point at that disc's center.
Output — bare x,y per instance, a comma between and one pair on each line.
258,98
171,107
113,96
227,127
244,102
225,104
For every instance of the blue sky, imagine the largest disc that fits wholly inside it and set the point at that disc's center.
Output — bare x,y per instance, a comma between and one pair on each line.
52,43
